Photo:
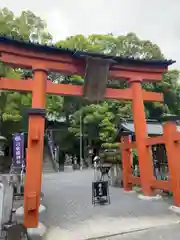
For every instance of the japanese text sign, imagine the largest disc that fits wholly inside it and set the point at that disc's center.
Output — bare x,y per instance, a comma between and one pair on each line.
18,149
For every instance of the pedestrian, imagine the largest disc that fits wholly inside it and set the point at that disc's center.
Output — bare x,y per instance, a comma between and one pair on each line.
96,162
61,160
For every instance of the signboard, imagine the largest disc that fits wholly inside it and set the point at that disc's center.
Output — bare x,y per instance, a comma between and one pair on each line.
18,149
100,192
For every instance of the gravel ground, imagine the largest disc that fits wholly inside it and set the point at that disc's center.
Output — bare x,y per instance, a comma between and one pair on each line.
70,214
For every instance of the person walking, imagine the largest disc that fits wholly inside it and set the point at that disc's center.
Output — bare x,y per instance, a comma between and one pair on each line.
61,160
96,165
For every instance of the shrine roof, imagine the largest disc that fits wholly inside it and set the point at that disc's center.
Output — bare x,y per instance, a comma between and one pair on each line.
82,54
154,128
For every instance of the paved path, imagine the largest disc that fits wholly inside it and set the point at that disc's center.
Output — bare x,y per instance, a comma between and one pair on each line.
70,214
171,232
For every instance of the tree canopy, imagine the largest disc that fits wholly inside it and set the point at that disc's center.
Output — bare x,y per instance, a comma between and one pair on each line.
99,120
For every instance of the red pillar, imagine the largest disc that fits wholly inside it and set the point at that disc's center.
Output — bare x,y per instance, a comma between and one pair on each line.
126,163
173,156
144,157
35,149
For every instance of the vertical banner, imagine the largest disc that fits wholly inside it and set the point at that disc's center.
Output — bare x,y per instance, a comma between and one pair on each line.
18,149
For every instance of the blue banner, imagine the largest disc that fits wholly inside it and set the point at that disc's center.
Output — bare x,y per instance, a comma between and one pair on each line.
18,149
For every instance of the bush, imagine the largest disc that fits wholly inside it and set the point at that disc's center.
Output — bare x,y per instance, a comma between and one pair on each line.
111,145
111,153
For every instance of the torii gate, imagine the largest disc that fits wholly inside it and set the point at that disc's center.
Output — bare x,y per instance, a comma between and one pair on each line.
42,59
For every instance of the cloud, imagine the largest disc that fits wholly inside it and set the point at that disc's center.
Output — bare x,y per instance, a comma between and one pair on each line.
58,24
155,20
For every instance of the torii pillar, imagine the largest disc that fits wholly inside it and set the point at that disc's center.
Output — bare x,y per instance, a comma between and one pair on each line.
35,148
145,161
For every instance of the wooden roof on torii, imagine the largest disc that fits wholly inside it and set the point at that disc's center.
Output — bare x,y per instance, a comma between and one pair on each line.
52,49
25,54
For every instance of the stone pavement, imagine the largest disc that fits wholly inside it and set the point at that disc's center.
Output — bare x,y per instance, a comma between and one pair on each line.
70,214
171,232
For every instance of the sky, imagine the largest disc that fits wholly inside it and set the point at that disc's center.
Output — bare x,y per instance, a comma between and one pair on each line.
155,20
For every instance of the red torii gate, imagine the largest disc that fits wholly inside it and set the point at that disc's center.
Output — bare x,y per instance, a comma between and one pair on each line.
42,59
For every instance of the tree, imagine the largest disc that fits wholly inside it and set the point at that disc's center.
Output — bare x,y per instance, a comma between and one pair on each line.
124,45
27,26
100,120
54,105
171,89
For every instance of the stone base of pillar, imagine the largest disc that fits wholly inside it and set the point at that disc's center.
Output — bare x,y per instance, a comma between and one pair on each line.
20,211
149,198
37,232
175,209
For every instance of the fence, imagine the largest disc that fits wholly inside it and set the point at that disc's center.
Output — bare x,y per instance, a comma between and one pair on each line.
168,178
160,164
6,197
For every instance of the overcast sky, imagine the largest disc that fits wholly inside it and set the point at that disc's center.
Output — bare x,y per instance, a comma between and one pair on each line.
155,20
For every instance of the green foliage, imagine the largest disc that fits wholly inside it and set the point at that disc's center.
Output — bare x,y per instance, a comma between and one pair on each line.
125,45
26,26
54,105
111,145
99,121
135,157
111,157
171,89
